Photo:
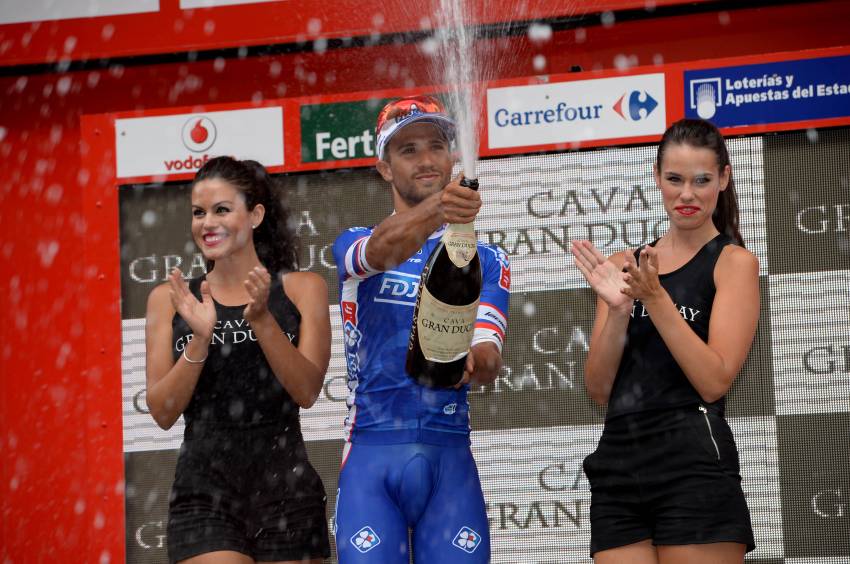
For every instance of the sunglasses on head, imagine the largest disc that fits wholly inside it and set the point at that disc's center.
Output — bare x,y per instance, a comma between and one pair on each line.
406,106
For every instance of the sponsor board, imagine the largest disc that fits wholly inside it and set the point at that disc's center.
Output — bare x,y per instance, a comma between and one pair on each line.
767,93
541,383
815,483
808,203
825,560
323,205
538,498
755,438
155,238
571,112
809,316
752,392
325,419
532,428
341,131
149,476
182,143
141,433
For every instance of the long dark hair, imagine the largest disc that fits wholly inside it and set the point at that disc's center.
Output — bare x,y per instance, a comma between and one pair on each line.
702,134
274,239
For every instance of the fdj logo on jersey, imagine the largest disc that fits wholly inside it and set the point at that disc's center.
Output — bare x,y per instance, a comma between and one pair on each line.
397,287
638,105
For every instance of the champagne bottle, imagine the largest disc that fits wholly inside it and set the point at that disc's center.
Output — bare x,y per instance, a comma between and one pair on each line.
446,307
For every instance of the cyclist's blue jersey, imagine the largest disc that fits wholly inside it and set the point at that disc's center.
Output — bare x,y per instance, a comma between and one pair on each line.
386,406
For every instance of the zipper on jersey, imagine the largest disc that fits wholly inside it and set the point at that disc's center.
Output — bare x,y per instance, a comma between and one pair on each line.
710,432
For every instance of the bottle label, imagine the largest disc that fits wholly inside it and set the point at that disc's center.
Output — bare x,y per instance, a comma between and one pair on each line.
461,243
445,331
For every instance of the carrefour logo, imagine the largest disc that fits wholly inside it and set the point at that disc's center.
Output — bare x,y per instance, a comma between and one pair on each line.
198,134
635,105
575,111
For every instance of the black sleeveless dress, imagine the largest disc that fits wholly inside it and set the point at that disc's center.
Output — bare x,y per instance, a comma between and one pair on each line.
243,481
666,467
648,377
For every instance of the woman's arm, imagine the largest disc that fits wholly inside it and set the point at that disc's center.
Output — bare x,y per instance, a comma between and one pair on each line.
711,366
607,341
170,384
300,370
613,310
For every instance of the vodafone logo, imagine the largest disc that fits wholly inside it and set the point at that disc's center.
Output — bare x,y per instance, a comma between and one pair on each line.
198,134
181,143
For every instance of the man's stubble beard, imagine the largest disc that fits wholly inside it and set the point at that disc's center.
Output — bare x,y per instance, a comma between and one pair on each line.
415,195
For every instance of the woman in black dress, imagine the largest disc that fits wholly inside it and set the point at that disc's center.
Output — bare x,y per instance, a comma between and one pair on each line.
674,323
237,352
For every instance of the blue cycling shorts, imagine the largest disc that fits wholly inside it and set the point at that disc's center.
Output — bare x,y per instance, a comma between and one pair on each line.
434,491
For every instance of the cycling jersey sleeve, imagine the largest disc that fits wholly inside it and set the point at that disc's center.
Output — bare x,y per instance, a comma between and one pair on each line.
492,321
349,251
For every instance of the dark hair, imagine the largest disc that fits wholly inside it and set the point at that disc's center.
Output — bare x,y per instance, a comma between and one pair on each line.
274,239
702,134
